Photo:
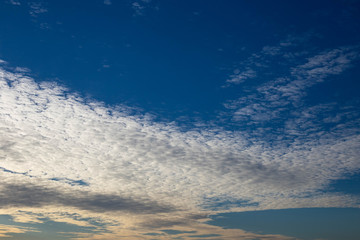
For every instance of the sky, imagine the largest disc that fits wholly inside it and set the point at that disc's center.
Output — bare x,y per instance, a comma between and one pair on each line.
164,119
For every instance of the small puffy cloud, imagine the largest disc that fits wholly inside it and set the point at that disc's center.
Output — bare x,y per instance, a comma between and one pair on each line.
107,2
21,69
36,9
241,76
140,6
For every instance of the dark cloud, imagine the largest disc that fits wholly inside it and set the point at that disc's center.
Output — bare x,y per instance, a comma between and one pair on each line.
29,195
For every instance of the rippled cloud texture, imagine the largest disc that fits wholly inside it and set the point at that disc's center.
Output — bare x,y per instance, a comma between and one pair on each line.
75,160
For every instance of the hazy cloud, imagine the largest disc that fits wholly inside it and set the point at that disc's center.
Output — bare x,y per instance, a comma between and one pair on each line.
7,230
36,9
14,2
140,6
107,2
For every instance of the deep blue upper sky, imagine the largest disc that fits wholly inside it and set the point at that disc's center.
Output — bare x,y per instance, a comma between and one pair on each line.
169,57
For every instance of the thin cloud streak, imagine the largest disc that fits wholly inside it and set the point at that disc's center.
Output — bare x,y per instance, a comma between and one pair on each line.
6,230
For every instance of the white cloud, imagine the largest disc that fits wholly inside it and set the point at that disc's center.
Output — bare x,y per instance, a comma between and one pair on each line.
21,69
258,63
51,138
272,50
36,9
107,2
274,98
241,76
140,6
14,2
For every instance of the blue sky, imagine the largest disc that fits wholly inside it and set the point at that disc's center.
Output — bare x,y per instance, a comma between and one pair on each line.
145,119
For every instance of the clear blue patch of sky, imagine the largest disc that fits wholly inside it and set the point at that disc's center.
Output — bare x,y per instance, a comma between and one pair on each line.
71,181
307,224
13,172
216,204
348,185
341,89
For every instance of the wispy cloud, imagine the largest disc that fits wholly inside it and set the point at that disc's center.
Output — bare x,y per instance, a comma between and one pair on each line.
36,9
14,2
277,98
241,76
260,62
107,2
138,8
37,12
6,230
141,6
